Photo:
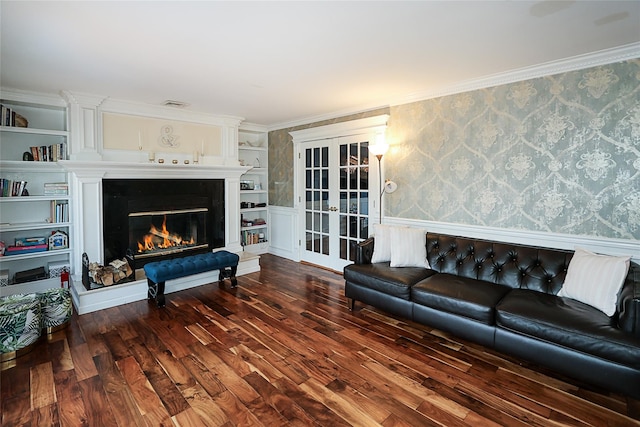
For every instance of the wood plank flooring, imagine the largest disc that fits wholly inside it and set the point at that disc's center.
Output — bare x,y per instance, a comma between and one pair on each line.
283,350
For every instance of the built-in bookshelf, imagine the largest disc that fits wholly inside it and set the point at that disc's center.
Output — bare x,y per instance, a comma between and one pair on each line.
35,193
254,195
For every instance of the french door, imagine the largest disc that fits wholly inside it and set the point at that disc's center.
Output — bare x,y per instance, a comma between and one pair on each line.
335,199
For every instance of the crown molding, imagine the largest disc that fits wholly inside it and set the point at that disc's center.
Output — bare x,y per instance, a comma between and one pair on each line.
594,59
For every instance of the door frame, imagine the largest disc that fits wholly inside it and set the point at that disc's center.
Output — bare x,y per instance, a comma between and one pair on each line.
369,127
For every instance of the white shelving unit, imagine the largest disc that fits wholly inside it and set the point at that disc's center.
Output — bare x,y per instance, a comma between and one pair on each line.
31,215
254,195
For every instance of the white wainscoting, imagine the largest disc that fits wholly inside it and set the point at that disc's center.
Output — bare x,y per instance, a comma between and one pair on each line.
284,238
284,232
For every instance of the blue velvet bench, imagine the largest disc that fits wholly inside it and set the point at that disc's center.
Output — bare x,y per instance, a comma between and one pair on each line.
159,272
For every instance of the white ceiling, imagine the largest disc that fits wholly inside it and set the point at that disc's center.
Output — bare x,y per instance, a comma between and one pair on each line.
280,62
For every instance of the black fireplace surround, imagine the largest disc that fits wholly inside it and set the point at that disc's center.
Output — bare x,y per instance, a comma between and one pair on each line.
122,197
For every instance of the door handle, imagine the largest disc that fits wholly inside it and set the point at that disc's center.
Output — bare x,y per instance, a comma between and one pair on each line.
333,209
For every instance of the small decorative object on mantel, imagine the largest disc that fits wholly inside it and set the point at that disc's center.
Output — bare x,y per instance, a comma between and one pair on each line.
58,240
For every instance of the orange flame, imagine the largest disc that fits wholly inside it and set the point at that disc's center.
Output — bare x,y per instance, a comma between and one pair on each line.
161,239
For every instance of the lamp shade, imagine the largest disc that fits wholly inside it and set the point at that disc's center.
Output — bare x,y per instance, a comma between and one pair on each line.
380,147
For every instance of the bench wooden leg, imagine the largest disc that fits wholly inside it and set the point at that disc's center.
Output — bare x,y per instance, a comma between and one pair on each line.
234,281
229,272
156,292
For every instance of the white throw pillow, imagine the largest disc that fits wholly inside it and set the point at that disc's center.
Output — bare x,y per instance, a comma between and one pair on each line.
595,279
381,243
408,247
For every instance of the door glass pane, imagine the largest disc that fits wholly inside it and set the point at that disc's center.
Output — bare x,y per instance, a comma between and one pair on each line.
364,203
353,202
364,228
325,157
344,202
308,179
343,155
316,221
316,157
325,223
325,200
307,157
309,239
343,178
364,178
343,249
343,225
325,245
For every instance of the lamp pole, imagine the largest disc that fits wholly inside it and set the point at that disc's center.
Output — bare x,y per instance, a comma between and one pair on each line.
379,157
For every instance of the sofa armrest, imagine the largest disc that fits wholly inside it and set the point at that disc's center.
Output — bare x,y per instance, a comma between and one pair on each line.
364,251
629,302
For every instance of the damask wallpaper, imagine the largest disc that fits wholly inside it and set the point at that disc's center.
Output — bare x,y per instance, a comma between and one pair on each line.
557,154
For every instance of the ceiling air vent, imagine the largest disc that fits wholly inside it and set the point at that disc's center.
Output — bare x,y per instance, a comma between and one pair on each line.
176,104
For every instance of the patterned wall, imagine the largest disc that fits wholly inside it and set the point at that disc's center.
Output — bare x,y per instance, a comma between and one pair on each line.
558,154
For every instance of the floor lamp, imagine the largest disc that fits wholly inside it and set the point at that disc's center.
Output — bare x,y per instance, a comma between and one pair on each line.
379,149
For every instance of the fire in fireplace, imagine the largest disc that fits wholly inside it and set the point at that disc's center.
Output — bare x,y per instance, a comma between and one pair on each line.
169,212
163,232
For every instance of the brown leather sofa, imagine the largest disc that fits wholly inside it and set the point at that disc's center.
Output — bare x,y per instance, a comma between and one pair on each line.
503,296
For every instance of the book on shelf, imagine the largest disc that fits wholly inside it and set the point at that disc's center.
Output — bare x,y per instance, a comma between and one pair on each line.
59,211
13,188
8,117
15,250
48,153
56,189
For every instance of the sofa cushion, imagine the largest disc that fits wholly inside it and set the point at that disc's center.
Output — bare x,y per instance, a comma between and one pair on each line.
595,279
382,247
408,247
396,281
463,296
568,323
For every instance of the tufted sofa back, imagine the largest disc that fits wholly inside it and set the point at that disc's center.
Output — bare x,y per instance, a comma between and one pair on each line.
526,267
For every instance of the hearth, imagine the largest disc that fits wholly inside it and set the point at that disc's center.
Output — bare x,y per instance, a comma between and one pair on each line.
153,219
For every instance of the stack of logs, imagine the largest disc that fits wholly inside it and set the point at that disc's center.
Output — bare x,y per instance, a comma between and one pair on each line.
111,274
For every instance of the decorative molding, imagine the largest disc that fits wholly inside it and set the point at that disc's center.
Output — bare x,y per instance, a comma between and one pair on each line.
32,97
602,57
335,130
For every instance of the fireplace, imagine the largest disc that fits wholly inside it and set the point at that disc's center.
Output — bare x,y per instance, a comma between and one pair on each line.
153,219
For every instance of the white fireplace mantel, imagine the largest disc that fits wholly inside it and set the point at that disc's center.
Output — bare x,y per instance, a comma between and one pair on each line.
152,170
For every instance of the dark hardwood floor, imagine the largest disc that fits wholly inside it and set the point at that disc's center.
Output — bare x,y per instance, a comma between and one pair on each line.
282,349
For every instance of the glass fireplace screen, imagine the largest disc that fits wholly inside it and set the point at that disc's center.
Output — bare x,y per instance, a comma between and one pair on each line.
167,232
